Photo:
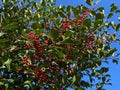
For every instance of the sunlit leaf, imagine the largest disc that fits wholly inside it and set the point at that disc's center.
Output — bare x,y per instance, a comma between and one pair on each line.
89,2
73,79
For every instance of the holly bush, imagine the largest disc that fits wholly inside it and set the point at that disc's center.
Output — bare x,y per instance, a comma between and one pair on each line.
49,47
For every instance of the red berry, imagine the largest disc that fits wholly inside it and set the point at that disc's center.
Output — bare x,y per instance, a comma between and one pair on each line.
32,67
21,70
53,46
81,17
47,41
62,89
25,60
37,74
32,35
41,35
69,48
28,45
64,21
80,21
53,81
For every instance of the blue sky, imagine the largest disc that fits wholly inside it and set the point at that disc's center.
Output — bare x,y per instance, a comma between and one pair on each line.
114,69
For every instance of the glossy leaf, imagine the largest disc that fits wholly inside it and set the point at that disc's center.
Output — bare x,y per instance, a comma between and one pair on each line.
73,79
13,25
115,61
69,33
54,34
110,15
89,2
113,7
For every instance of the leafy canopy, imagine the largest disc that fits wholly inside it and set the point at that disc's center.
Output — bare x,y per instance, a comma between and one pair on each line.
44,46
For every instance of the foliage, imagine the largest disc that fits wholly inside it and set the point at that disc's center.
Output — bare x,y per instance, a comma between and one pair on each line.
43,46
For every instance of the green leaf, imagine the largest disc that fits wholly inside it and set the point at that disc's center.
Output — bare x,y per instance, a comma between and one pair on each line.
118,27
110,15
2,33
103,79
1,83
97,24
113,37
100,8
51,1
43,2
39,31
115,61
36,25
119,18
63,80
28,84
113,7
87,22
111,53
84,84
101,53
11,81
69,33
61,54
104,69
8,63
99,16
89,2
3,40
113,24
13,25
4,1
62,14
67,41
78,88
117,11
73,79
54,34
6,86
69,10
92,13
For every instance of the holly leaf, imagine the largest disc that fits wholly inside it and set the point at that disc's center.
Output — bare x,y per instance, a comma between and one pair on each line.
89,2
7,63
13,25
73,79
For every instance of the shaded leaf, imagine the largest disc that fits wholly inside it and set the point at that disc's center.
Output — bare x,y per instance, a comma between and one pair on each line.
61,54
118,27
113,7
89,2
3,40
87,22
110,15
68,33
13,25
54,34
67,41
115,61
104,69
